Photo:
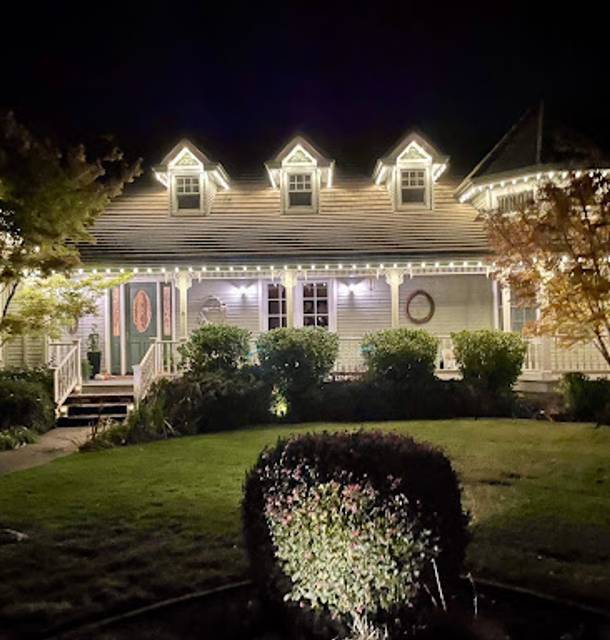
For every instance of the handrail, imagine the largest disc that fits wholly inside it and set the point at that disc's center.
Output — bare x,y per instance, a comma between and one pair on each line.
162,358
67,374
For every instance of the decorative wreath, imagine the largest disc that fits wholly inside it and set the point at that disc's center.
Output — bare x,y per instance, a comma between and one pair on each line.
428,316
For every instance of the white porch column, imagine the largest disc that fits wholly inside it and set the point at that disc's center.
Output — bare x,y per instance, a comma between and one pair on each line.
183,282
506,315
495,293
289,282
394,278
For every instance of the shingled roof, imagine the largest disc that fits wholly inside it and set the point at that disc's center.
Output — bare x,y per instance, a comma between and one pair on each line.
355,220
536,142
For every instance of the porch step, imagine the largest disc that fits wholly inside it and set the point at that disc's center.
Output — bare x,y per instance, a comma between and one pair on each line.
96,400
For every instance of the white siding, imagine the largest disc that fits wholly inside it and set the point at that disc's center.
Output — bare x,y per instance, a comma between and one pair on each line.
24,352
364,307
85,325
241,306
461,302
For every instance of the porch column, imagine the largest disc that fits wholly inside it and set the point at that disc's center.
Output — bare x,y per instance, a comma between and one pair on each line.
183,282
394,278
506,319
289,282
496,303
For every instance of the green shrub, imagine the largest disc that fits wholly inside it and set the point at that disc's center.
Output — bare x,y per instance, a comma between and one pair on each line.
490,360
405,356
25,404
38,375
586,399
349,527
216,348
16,437
295,360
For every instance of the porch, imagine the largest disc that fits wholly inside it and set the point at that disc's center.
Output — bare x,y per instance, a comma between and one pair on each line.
545,362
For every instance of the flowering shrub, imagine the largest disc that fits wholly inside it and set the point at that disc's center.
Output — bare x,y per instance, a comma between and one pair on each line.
348,528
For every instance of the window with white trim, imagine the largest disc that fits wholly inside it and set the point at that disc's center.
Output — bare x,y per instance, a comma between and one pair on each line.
276,306
300,190
413,186
188,192
316,304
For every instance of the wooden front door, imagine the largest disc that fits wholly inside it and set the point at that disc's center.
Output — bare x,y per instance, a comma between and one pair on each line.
141,320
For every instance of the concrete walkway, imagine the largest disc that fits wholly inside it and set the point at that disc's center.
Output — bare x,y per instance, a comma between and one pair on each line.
53,444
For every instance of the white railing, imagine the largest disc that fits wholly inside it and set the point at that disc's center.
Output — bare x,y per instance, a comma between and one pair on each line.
545,358
162,359
65,360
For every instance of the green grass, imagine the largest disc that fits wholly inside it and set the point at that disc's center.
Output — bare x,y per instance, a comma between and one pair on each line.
118,528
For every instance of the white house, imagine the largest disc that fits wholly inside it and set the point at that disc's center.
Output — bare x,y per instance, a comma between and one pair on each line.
309,244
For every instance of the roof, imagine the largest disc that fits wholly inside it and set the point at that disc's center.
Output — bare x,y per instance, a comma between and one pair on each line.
304,143
536,142
355,219
414,136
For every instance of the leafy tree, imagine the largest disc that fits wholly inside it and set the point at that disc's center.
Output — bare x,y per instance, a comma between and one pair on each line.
555,253
49,197
49,306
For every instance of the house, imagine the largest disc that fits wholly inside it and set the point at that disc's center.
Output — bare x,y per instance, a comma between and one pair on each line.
306,243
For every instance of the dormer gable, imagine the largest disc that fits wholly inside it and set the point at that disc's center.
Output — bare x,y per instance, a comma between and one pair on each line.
191,179
409,172
299,171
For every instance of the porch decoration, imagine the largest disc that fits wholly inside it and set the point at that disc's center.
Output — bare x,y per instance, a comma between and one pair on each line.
94,353
420,307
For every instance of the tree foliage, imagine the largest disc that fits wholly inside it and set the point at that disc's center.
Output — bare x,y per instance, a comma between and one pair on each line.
49,306
49,198
555,254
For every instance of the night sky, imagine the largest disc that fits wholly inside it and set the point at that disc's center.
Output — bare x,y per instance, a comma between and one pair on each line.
240,80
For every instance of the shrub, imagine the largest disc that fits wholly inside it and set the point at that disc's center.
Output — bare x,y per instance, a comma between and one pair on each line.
26,404
15,437
405,356
38,375
216,348
586,399
351,526
296,360
490,360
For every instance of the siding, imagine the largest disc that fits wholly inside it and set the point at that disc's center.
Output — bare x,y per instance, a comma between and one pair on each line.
367,307
241,308
85,325
461,302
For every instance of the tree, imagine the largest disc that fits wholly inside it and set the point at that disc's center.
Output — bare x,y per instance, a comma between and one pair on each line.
555,253
48,306
49,198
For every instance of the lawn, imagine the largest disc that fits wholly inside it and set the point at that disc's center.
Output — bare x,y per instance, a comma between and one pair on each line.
119,528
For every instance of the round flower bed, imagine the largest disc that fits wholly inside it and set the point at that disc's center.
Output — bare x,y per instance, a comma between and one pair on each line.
357,533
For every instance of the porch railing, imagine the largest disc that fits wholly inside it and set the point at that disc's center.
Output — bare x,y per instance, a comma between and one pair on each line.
65,360
545,358
160,360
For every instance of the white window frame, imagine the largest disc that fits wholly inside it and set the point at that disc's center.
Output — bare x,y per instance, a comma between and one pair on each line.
332,301
427,186
264,303
313,174
198,178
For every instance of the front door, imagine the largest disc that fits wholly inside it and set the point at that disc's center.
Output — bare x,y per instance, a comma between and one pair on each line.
141,320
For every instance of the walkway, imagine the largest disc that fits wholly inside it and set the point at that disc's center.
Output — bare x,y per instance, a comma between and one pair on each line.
53,444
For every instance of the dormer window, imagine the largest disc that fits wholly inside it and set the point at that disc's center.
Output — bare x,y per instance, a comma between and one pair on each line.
300,190
191,179
413,186
409,172
188,192
300,171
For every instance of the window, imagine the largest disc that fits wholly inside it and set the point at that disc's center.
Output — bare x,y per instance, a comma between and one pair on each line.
315,304
276,306
299,190
187,192
413,186
515,201
520,317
